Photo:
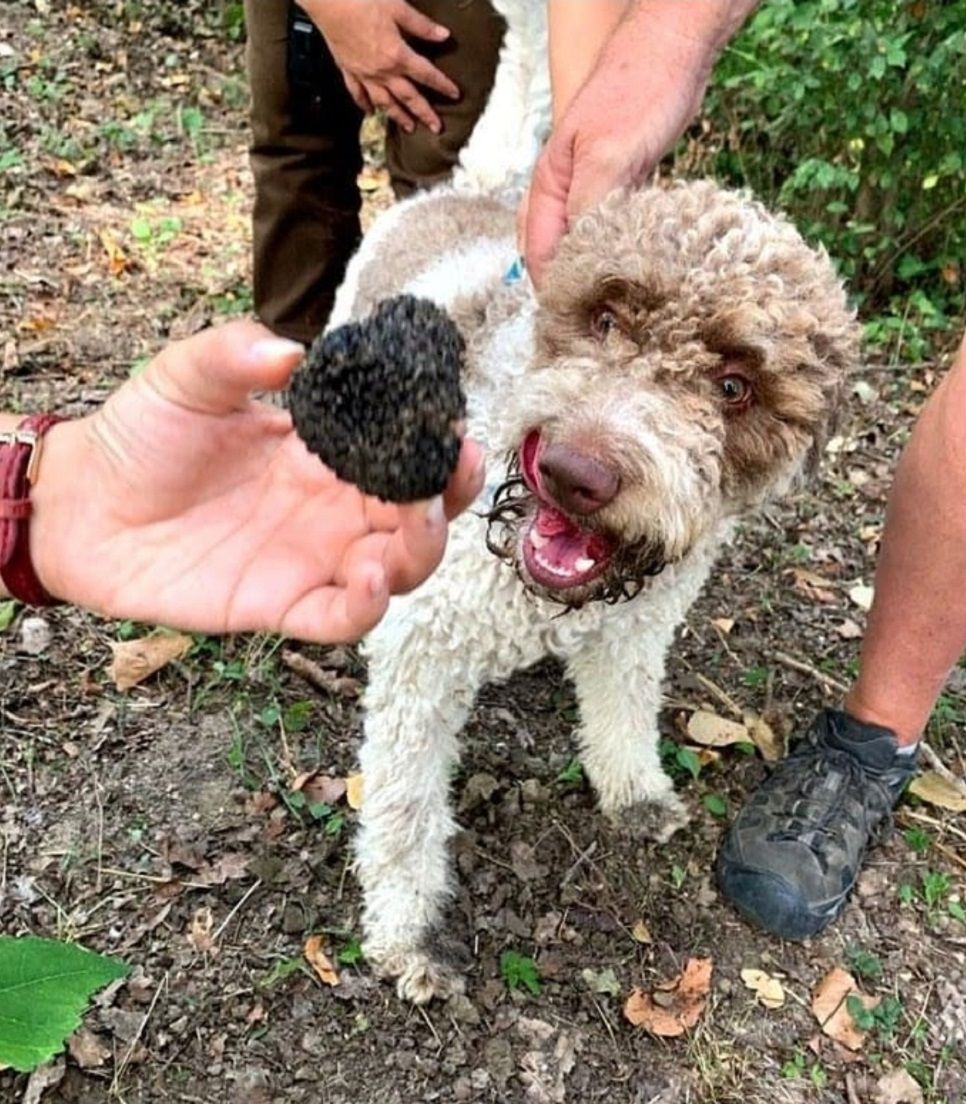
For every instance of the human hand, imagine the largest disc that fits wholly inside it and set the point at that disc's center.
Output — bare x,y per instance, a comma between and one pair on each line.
644,89
379,67
183,501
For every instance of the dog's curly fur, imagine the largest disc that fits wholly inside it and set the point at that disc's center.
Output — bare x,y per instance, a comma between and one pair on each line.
688,344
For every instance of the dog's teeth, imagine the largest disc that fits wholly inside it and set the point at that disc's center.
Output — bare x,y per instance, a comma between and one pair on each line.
584,564
536,539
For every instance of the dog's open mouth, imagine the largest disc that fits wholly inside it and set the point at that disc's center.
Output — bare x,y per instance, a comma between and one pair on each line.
557,552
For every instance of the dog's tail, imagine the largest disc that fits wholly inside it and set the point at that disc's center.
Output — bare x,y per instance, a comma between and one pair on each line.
506,140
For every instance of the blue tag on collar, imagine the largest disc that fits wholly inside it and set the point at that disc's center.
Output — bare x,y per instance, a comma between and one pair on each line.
514,272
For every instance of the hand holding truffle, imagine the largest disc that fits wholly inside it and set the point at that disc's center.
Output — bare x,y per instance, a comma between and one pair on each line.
186,502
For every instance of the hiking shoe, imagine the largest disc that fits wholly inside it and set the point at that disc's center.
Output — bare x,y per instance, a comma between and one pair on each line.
793,854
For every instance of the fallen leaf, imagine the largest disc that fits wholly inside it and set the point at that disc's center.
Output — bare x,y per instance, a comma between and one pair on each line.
319,961
898,1087
87,1049
813,586
228,868
675,1005
43,1078
602,981
723,624
710,730
35,635
117,260
136,660
770,743
936,790
320,789
829,1008
766,988
642,933
199,931
353,791
862,596
848,630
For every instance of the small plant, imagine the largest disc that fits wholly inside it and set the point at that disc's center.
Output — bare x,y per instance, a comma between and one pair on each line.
679,761
572,774
864,963
716,805
282,970
755,676
798,1067
351,953
918,839
520,970
679,875
883,1018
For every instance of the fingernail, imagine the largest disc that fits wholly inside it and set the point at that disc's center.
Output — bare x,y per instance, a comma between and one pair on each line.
275,348
435,514
440,32
436,128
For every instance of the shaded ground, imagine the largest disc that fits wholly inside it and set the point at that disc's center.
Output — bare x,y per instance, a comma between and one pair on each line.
160,824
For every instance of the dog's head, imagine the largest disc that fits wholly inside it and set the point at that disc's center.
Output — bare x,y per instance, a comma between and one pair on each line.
690,351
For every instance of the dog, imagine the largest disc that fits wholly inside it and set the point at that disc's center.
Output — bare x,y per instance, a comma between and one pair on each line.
682,365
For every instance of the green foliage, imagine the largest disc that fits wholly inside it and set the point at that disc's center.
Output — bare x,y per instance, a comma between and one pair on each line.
520,970
883,1018
679,761
864,963
572,774
44,988
7,611
848,114
715,804
918,839
351,953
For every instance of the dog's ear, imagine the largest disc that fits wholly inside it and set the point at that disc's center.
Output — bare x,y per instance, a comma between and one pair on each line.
839,357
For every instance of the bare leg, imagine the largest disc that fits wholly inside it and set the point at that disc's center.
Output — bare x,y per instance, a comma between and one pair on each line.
917,626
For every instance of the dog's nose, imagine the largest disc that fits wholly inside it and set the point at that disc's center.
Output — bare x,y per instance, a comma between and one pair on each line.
578,483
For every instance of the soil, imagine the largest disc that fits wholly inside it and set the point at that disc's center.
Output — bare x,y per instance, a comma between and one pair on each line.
162,825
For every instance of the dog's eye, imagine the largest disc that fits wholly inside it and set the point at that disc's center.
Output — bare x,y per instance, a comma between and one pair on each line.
735,390
602,322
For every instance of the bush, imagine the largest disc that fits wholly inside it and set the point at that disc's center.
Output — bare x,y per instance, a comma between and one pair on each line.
849,115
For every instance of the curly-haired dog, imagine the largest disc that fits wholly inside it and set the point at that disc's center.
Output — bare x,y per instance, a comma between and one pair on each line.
680,367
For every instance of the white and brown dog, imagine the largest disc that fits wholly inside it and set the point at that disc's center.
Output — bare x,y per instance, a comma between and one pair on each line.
680,366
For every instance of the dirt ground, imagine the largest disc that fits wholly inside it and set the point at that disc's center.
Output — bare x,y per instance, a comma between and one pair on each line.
161,824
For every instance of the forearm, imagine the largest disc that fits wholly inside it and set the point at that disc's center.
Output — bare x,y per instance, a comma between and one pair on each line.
578,30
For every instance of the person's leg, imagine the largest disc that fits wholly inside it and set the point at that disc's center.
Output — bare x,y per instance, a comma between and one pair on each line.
305,158
795,850
469,57
917,624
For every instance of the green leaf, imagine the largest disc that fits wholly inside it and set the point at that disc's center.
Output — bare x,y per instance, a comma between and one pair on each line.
7,610
351,953
572,774
715,804
141,229
44,989
689,760
518,969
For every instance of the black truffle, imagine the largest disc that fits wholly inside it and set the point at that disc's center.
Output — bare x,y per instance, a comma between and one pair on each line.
378,400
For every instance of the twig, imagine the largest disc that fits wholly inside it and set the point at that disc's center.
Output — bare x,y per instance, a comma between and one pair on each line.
228,919
430,1025
941,769
726,700
578,863
137,1035
851,1091
340,685
807,669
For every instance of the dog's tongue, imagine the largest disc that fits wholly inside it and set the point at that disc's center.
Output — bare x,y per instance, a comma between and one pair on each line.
562,552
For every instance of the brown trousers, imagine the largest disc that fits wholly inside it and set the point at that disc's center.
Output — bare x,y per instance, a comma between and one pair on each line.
305,155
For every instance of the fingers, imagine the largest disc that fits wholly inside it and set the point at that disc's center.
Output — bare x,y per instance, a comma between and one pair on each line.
416,104
381,97
340,614
214,371
358,93
414,23
467,481
546,215
423,71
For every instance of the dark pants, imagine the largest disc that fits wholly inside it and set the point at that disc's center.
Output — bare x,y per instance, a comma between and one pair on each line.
305,155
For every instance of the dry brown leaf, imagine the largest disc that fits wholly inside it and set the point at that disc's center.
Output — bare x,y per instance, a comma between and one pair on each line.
230,867
675,1005
319,961
723,624
642,933
765,738
136,660
848,630
710,730
898,1087
813,586
766,988
935,789
862,596
87,1049
320,789
199,931
353,791
829,1008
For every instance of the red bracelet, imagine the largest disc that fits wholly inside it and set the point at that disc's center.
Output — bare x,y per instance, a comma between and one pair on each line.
19,456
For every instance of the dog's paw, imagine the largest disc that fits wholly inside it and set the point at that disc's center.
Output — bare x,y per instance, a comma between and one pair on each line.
656,818
435,970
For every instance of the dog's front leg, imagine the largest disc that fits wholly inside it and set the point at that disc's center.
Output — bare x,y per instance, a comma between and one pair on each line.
414,712
618,679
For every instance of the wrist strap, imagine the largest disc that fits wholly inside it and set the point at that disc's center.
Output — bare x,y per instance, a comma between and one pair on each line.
19,456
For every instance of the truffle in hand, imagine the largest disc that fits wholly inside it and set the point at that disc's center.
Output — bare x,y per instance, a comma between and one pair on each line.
379,401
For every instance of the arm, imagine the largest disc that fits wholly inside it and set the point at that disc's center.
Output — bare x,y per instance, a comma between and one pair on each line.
644,89
184,502
578,30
